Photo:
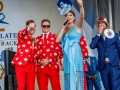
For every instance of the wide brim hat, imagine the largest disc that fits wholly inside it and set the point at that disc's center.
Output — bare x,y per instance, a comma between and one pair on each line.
100,19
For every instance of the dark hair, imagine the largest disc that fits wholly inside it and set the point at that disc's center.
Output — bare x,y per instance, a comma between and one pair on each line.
29,21
72,13
45,20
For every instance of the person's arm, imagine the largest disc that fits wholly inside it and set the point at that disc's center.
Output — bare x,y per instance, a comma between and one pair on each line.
118,46
118,42
61,59
97,72
56,51
94,42
83,45
23,33
88,76
60,35
37,49
81,17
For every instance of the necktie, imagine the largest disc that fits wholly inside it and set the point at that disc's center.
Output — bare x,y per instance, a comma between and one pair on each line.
45,38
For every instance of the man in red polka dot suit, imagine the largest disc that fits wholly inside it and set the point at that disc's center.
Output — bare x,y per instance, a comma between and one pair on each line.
48,51
83,45
23,59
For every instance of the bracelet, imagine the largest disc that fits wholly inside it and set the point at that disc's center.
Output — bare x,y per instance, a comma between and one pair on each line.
80,6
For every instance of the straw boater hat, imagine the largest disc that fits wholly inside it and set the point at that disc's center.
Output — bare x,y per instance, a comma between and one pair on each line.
100,19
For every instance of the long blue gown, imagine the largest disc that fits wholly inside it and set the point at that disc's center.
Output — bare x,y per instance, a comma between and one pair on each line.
73,61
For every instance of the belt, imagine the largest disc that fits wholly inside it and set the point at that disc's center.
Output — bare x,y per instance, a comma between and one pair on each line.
107,62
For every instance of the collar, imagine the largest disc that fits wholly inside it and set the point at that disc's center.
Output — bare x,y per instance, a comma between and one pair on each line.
46,33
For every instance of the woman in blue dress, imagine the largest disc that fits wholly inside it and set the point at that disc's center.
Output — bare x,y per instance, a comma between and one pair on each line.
69,36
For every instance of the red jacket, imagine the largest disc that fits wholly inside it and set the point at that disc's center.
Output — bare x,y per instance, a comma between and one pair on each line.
51,51
25,50
83,45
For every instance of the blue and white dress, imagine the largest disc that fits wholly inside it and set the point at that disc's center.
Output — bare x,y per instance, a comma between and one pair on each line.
73,61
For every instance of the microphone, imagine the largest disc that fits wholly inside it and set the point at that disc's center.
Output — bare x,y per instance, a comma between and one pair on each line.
65,22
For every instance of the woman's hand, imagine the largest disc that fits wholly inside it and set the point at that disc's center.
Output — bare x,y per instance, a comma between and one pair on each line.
80,2
64,24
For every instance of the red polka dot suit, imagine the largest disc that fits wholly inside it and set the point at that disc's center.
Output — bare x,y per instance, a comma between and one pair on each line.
23,61
51,50
83,45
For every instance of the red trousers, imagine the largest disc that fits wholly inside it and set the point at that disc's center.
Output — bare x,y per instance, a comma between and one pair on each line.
52,75
25,76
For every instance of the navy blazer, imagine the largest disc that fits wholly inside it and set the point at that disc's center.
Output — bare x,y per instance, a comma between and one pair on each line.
93,70
109,47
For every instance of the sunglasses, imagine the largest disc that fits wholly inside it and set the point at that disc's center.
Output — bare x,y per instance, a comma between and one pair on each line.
100,24
45,26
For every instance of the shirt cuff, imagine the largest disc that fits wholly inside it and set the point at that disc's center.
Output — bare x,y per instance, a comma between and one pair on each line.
98,35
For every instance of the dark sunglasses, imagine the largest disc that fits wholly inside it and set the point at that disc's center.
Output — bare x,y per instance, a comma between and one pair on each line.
45,26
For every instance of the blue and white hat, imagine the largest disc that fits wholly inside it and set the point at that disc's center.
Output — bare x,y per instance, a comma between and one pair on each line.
64,8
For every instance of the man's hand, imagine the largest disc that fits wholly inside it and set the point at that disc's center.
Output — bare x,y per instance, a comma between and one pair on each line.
100,29
32,26
45,62
33,38
93,77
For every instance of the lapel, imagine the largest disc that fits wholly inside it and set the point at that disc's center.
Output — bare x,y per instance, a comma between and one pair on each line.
107,41
49,37
88,65
104,42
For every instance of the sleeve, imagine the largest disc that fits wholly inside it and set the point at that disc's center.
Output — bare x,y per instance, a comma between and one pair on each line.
61,57
23,33
37,49
62,42
87,75
83,45
94,42
57,51
118,42
97,72
118,45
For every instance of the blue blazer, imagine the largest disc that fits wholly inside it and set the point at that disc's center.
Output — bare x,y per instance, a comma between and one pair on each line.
109,47
93,70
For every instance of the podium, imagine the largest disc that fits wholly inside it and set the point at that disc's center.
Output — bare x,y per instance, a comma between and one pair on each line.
10,82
